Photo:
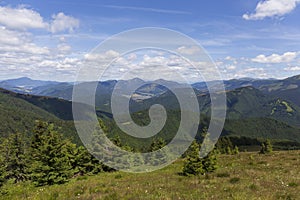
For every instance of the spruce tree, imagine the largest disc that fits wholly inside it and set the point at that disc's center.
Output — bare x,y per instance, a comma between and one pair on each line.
50,162
266,147
157,156
193,164
13,161
97,148
85,163
236,150
209,162
269,147
263,148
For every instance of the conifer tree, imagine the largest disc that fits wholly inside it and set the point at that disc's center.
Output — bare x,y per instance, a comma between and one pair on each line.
193,164
209,162
236,150
266,147
269,147
85,162
50,162
13,163
158,156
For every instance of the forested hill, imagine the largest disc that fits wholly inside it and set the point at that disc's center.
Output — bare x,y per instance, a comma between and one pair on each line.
19,113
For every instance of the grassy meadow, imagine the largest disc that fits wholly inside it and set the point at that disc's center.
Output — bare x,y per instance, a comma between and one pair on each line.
248,175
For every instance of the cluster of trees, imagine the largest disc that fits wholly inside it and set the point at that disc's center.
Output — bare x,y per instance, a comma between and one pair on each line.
195,165
266,147
45,159
225,146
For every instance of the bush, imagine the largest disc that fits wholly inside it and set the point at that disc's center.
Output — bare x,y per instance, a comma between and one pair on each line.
266,147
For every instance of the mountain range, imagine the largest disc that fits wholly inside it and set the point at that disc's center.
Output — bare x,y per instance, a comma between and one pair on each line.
255,108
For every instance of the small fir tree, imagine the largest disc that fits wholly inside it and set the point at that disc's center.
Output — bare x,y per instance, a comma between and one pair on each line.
266,147
236,150
193,164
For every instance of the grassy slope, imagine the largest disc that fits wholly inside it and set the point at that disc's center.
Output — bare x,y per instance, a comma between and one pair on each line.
243,176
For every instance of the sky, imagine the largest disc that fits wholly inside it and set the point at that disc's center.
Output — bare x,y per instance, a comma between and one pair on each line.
50,40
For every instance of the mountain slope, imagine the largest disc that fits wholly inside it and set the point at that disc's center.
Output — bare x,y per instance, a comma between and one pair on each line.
288,89
24,84
18,114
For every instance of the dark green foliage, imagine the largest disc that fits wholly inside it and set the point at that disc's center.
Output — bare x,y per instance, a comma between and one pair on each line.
236,150
196,165
49,155
117,141
193,164
158,156
224,145
209,162
46,159
18,114
266,147
142,144
261,128
157,144
84,163
13,162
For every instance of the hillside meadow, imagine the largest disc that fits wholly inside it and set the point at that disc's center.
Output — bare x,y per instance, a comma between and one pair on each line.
248,175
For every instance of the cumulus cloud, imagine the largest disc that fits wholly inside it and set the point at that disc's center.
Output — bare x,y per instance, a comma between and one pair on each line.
18,42
276,58
62,22
19,52
21,18
272,8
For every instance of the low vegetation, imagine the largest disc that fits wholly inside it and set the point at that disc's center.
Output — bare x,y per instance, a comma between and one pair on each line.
248,175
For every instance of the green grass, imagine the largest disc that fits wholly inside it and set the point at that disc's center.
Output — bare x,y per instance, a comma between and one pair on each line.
243,176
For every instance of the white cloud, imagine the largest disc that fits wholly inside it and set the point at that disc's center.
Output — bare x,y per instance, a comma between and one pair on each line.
188,50
21,18
62,22
231,67
276,58
22,56
13,41
99,57
292,68
229,58
254,70
64,48
272,8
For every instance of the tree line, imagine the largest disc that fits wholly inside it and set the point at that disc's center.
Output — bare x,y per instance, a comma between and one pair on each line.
47,158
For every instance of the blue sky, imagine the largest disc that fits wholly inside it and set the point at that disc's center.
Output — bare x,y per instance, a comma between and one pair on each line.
246,38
